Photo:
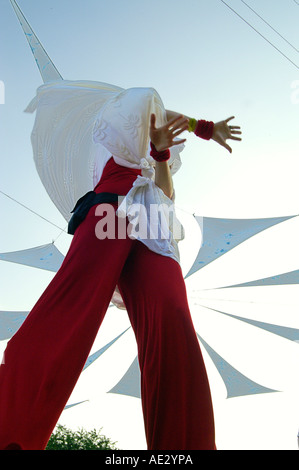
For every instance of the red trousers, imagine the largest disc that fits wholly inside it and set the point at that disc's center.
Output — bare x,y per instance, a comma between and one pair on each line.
44,359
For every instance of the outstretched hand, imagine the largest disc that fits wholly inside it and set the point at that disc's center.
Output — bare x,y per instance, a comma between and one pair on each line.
222,132
163,137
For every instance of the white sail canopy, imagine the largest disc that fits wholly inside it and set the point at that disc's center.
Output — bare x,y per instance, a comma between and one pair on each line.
291,277
46,67
46,257
222,235
10,322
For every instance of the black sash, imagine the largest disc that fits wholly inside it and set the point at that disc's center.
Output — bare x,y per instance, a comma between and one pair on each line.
83,205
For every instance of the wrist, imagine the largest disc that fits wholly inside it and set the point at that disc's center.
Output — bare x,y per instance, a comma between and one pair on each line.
204,129
159,156
192,125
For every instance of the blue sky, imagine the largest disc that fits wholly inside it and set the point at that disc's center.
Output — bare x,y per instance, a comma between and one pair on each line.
205,62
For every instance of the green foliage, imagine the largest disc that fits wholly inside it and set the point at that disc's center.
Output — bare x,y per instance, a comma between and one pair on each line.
66,439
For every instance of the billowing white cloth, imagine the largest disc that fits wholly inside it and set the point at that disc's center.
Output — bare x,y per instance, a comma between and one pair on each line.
68,162
79,125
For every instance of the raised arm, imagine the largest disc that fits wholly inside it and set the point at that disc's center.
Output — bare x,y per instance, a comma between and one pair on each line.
162,139
221,130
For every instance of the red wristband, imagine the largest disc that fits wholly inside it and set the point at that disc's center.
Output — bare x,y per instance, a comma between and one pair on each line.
162,156
204,129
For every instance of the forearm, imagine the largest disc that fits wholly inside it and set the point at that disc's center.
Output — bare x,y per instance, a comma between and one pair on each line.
163,178
162,139
201,128
173,114
219,131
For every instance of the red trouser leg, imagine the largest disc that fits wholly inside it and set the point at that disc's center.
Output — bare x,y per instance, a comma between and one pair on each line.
44,359
176,400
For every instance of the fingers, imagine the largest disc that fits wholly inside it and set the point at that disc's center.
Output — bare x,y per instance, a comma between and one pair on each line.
227,147
180,127
180,130
177,142
222,141
179,122
164,136
175,126
225,132
233,131
153,121
173,120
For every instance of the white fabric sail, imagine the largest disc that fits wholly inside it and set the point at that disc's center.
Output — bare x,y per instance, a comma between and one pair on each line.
222,235
289,278
291,334
67,160
79,125
46,67
46,257
10,322
129,384
93,357
237,384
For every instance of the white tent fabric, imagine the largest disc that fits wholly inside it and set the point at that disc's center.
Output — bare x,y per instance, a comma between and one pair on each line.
129,384
74,404
10,322
49,258
237,384
291,334
222,235
93,357
291,277
46,257
46,67
67,160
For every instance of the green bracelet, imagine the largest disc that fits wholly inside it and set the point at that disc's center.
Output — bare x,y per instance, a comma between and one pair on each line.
192,125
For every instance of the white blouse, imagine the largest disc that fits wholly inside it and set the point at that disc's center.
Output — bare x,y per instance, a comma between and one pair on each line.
78,126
